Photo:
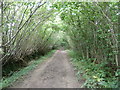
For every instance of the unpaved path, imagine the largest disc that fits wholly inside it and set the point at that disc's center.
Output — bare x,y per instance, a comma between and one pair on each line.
56,72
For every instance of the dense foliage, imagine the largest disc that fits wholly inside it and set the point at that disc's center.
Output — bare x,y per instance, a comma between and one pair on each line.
88,29
25,33
93,35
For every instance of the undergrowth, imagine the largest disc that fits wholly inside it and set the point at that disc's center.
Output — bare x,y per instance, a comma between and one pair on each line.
95,75
5,82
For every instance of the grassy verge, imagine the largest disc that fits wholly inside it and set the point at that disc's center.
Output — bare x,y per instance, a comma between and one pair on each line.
16,75
94,74
77,65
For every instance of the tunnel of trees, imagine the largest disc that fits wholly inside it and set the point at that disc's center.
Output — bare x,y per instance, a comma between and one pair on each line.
89,30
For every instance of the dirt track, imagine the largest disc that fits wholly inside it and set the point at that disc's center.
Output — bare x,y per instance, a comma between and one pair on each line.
56,72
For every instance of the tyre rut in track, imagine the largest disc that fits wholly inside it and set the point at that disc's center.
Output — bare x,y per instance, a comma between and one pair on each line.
56,72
